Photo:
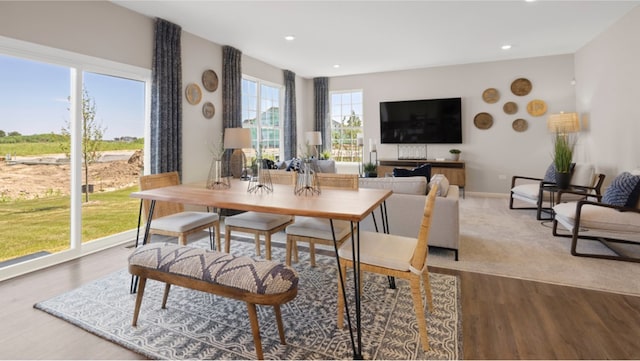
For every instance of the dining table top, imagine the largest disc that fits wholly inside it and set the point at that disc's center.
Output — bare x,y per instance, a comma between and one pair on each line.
331,203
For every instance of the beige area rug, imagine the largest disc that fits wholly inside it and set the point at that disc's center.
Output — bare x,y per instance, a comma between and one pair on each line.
499,241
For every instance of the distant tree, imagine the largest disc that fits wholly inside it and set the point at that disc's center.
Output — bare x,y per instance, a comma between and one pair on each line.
14,134
92,133
2,133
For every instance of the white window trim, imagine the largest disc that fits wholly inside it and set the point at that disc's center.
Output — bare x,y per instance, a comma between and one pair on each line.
332,92
281,103
78,63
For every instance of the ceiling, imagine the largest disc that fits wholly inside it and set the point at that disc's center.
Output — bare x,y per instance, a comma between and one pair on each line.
378,36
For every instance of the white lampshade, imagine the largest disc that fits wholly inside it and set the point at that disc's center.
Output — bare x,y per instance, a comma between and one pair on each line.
314,138
360,139
237,138
563,123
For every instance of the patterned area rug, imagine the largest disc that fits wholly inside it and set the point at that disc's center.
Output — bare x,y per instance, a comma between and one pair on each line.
197,325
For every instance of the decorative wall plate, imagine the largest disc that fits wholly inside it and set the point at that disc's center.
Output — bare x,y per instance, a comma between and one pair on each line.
483,120
521,87
193,93
510,107
210,80
491,95
208,110
537,107
520,125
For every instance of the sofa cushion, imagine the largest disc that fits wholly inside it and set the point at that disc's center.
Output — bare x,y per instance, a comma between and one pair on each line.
324,165
442,182
423,170
405,185
624,191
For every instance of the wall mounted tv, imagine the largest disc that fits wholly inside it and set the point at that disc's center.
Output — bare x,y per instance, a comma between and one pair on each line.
427,121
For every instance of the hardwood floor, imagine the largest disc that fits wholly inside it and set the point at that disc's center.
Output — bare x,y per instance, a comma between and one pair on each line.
503,318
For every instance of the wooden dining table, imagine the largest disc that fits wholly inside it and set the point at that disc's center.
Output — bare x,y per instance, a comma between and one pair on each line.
333,204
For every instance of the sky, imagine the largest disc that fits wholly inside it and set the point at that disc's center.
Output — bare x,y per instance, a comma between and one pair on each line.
34,99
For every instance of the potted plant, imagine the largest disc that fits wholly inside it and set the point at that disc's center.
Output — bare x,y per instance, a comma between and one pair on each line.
326,154
370,170
562,156
455,154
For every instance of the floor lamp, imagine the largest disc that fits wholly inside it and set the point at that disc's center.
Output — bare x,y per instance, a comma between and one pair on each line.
237,139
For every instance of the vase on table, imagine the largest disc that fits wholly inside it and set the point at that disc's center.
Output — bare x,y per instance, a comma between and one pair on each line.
216,180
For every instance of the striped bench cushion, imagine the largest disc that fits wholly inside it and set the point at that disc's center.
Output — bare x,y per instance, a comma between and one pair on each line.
244,273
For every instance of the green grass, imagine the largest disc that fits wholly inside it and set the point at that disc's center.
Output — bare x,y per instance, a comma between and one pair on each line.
23,149
30,226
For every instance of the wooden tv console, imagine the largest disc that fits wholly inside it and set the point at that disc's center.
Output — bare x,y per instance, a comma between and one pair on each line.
452,169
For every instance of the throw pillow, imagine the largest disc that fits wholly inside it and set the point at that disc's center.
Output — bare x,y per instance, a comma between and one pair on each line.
442,182
294,165
550,174
624,191
423,170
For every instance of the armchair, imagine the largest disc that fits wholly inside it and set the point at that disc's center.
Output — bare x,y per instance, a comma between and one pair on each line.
607,219
535,191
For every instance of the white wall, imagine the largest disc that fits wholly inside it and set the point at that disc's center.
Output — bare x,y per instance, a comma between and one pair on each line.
498,151
199,134
96,28
608,95
606,73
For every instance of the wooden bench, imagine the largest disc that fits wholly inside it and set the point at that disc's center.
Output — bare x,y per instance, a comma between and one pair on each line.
241,278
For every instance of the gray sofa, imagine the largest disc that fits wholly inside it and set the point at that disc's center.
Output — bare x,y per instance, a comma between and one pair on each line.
406,205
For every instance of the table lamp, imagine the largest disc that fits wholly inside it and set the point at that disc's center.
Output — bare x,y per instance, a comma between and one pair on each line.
563,123
237,139
314,139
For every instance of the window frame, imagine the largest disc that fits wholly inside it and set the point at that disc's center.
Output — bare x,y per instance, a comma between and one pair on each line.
358,151
77,64
260,82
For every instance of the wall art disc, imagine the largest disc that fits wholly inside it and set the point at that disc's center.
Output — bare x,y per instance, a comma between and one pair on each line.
519,125
208,110
510,107
210,80
483,120
537,107
521,87
491,95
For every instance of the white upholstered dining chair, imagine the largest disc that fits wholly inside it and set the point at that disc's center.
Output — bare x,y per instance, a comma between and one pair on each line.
170,219
318,230
395,256
258,223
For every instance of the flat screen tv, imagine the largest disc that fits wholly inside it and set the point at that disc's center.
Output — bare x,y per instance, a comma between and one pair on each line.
427,121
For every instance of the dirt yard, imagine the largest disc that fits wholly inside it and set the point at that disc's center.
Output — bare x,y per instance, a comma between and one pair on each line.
30,180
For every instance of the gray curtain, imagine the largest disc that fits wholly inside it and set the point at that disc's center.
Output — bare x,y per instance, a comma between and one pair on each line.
289,124
166,99
231,96
321,95
231,87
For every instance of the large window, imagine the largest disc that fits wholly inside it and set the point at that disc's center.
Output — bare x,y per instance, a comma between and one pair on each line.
346,125
261,104
71,127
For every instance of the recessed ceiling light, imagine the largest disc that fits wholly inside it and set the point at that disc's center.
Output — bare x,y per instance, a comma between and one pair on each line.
289,38
336,66
506,47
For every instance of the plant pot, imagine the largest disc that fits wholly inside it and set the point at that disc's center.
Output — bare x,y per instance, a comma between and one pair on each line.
454,156
563,180
371,174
